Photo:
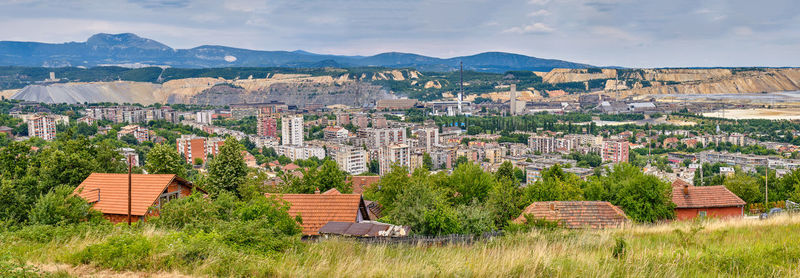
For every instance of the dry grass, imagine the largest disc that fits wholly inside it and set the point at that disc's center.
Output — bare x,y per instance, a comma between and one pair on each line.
714,248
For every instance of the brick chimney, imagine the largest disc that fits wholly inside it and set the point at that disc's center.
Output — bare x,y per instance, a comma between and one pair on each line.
316,191
686,189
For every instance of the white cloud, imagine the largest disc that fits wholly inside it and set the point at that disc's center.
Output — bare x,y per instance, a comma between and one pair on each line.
613,33
535,28
245,6
541,12
743,31
539,2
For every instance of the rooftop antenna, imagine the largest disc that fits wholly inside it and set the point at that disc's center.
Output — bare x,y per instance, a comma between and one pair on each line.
460,86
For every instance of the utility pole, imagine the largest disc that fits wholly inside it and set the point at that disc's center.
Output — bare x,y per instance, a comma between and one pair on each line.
130,186
701,174
766,187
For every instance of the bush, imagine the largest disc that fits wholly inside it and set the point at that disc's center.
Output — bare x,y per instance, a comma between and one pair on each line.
60,207
119,252
193,212
261,224
531,223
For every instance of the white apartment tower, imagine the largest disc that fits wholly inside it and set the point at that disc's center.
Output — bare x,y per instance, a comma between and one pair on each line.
399,154
352,160
292,130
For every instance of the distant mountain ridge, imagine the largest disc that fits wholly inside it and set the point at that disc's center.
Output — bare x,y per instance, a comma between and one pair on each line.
127,48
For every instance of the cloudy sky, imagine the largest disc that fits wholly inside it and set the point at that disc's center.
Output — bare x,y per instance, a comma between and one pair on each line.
670,33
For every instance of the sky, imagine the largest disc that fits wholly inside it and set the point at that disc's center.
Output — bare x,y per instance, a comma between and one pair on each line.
672,33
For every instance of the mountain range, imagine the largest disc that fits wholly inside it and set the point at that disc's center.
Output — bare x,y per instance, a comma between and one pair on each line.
131,50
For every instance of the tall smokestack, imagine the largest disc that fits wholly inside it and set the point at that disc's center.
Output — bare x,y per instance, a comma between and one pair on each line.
513,96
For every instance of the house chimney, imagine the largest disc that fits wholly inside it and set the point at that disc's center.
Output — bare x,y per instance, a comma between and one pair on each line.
552,206
316,191
686,189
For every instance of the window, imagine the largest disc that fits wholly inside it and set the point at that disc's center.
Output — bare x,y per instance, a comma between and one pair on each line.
166,197
701,213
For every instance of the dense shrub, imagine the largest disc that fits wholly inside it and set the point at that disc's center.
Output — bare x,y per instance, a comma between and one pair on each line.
60,207
119,252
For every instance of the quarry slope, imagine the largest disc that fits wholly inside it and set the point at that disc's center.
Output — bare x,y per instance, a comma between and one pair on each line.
294,89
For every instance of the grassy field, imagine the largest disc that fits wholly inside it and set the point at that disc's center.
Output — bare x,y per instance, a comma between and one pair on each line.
714,248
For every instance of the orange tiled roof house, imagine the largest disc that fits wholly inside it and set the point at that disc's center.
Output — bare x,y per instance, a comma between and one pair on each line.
577,214
108,193
705,201
316,210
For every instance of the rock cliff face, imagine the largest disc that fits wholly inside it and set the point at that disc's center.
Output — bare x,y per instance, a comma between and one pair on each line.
768,80
355,94
295,89
676,75
578,75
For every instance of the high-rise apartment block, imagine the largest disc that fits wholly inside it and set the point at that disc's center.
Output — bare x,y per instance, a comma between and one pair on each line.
352,160
193,147
615,151
292,130
394,154
267,126
42,126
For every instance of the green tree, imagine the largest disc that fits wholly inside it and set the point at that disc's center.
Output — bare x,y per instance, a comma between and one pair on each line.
227,170
421,207
506,170
469,182
555,185
389,187
744,186
644,198
504,201
427,162
60,207
163,159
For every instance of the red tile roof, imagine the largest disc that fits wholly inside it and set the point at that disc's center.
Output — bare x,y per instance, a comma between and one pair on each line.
361,183
109,192
316,210
703,196
577,214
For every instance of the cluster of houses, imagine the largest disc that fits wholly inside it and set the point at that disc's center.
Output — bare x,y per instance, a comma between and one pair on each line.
335,213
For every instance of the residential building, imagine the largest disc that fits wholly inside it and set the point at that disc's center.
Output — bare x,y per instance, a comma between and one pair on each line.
42,126
301,152
129,152
577,214
141,134
615,151
427,137
361,183
352,160
334,133
204,117
192,147
380,137
267,126
316,210
705,201
292,130
542,144
108,194
87,120
394,154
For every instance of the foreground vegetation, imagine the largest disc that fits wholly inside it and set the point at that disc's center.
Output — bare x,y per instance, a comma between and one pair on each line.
742,247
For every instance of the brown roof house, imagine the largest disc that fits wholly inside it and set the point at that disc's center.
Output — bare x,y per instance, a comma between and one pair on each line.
705,201
317,209
108,193
577,214
361,183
